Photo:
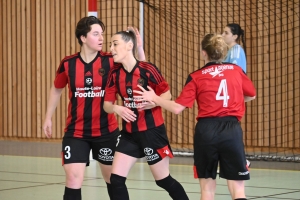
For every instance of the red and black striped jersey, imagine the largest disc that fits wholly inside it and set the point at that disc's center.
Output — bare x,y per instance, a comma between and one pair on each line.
219,90
86,83
123,83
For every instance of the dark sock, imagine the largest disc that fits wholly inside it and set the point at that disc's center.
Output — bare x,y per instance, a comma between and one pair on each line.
109,190
173,187
119,189
72,194
241,199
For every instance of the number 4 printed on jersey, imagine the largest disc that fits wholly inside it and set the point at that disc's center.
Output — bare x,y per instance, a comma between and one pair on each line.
223,93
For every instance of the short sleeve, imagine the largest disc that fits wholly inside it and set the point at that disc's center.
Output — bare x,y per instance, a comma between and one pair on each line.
188,93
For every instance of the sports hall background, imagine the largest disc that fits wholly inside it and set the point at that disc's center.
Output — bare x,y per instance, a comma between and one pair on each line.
36,34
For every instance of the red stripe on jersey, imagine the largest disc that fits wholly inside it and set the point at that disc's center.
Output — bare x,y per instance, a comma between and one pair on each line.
96,111
141,121
69,118
123,93
79,125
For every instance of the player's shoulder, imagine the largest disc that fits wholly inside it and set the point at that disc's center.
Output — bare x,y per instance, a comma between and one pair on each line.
105,54
116,67
147,65
67,58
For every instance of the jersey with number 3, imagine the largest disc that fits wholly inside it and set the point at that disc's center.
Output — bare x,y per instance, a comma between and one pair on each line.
219,90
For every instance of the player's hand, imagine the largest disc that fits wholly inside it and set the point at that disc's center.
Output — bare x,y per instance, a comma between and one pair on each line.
47,127
126,114
146,105
139,42
144,95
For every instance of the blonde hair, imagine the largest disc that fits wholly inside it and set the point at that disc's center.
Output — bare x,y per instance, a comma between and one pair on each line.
215,47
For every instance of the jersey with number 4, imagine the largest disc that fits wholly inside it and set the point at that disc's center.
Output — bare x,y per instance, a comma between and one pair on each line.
219,90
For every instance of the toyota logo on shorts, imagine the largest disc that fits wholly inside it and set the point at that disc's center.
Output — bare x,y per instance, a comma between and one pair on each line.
105,151
148,151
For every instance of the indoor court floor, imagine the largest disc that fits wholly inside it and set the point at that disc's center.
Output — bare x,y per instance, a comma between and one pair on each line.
33,171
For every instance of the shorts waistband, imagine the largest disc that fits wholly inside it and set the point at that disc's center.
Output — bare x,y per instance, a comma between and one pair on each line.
223,119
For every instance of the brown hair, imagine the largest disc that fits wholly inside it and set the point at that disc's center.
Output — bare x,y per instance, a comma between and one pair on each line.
129,36
84,26
215,47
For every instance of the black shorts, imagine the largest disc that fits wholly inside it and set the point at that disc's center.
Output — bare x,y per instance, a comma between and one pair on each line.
152,144
77,150
219,140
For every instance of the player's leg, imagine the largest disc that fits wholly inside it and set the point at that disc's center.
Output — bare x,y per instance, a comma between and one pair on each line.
206,157
157,151
75,154
127,153
208,188
164,180
232,159
236,189
103,149
121,166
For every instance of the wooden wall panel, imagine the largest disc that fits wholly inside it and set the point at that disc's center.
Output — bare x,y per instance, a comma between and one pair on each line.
37,34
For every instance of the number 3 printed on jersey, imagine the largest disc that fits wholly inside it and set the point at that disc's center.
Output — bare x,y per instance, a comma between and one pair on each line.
223,93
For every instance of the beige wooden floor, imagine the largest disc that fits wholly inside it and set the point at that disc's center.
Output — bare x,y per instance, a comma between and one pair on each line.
32,171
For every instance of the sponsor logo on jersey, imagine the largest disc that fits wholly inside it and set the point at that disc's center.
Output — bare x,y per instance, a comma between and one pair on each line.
105,154
89,81
149,154
89,92
140,81
129,91
131,102
101,71
217,70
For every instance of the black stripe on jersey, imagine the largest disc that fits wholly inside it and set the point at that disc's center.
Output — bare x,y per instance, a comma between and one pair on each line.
149,118
72,75
87,113
129,78
189,78
104,116
154,71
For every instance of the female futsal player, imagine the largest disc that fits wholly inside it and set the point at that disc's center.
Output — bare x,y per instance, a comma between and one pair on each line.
88,126
220,91
236,55
143,133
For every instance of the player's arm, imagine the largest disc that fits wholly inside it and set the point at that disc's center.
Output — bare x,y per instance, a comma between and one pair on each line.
167,104
54,97
126,114
109,105
248,89
150,104
247,98
140,51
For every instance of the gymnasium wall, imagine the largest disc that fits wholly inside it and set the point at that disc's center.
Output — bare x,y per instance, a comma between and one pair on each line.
37,34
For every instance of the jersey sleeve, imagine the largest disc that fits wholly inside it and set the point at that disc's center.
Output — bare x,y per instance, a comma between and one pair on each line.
236,55
160,84
248,86
188,93
111,90
61,78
